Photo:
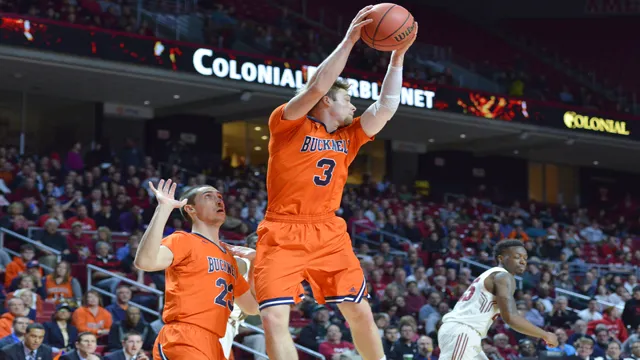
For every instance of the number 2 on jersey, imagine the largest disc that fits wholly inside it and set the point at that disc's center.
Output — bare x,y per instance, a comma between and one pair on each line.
327,165
227,289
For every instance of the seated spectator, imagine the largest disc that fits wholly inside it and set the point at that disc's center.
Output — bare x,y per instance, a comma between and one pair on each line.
635,337
82,217
132,323
579,331
131,347
60,334
501,341
107,261
316,331
405,345
31,348
119,307
334,345
52,238
79,243
562,347
32,302
611,318
390,340
19,328
425,349
560,316
85,348
635,350
16,309
631,313
19,264
91,316
60,286
31,279
613,351
591,313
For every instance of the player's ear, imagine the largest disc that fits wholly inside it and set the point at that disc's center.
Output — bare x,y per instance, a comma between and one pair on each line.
326,100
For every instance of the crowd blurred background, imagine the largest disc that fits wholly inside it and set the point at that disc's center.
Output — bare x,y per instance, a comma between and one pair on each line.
91,203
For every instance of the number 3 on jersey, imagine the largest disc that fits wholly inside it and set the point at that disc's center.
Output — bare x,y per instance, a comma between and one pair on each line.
327,165
227,289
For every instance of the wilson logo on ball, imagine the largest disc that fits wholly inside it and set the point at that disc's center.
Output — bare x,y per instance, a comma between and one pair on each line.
406,33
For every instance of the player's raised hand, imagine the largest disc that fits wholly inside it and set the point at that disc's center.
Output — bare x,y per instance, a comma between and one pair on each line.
353,33
165,194
551,339
243,252
408,44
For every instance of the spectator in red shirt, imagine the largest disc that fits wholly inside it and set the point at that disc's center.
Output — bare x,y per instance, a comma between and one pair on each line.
611,318
335,346
79,243
363,225
28,190
106,260
83,218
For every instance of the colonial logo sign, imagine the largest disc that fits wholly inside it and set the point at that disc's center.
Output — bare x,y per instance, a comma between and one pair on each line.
573,120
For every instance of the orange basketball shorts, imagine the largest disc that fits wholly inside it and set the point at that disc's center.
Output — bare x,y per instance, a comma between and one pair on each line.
185,341
290,250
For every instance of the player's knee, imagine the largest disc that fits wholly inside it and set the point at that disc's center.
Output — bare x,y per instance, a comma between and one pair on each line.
357,312
276,318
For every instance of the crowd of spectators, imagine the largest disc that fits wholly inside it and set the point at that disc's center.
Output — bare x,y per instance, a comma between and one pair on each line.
92,207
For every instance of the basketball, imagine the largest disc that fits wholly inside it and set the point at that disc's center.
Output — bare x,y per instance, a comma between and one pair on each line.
392,26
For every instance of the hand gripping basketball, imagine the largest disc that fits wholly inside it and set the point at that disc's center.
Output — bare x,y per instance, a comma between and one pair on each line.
355,29
165,194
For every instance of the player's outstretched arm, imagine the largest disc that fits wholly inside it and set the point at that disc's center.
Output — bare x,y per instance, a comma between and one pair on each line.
505,286
381,111
151,255
328,71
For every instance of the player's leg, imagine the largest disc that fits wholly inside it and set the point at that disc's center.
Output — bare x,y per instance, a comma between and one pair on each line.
335,276
275,321
278,270
363,329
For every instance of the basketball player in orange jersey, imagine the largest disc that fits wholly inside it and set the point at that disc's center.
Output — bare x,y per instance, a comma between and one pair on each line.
314,138
202,277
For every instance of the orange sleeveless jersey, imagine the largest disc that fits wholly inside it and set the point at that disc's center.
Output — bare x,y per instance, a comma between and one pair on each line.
308,167
201,283
58,291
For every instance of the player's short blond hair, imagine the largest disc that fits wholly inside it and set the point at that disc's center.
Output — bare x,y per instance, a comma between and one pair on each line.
339,84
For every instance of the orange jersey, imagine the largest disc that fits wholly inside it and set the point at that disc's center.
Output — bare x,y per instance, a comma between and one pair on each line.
201,283
308,167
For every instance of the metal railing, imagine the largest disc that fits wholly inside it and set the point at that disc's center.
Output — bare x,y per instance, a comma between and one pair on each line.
36,244
90,286
34,229
305,350
381,235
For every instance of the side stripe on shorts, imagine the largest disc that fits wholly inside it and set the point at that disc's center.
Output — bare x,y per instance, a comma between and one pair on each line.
461,347
162,355
350,298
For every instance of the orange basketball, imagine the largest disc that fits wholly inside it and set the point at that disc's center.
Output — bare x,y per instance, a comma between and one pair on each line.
392,25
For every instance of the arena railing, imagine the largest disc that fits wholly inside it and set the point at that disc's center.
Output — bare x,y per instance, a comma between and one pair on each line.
33,230
469,263
92,268
158,312
305,350
38,245
381,235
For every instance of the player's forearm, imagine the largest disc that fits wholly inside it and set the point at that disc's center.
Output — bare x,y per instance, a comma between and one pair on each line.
149,248
331,68
380,112
522,325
